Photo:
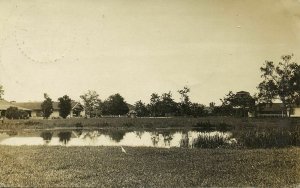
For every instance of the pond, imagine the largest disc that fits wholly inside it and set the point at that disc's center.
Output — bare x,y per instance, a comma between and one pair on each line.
157,138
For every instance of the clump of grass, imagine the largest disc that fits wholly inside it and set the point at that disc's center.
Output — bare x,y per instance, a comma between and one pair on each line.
206,141
269,137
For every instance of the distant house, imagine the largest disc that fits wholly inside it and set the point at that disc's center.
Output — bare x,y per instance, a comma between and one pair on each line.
276,110
4,105
36,109
246,102
132,114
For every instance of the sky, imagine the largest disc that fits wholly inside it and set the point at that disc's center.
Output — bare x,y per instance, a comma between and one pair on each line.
138,47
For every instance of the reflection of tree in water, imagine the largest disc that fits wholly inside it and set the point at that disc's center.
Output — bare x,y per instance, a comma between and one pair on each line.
47,136
79,129
116,135
11,133
168,137
155,138
64,137
92,135
184,142
139,134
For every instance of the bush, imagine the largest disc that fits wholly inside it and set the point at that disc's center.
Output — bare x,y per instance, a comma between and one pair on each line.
15,113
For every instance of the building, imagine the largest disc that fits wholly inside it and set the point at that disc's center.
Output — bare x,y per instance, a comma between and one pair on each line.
276,110
4,105
36,109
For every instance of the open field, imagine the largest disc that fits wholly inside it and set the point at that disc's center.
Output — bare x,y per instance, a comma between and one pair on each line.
146,123
108,166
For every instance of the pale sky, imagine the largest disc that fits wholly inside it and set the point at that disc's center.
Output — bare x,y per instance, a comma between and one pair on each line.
137,47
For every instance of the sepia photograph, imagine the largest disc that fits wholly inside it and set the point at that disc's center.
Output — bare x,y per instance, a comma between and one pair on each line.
150,93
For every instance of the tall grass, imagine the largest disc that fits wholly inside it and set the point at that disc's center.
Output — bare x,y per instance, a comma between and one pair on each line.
212,141
269,137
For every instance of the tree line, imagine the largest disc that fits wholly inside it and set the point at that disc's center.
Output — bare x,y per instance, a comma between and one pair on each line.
280,81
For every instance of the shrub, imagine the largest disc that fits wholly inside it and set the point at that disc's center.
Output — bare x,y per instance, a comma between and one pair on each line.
15,113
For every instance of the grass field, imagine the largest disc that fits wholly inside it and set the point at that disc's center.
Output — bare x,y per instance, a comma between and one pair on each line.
108,166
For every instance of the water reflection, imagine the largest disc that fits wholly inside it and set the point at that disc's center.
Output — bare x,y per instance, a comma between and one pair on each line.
116,135
168,136
64,137
184,142
155,138
47,136
158,138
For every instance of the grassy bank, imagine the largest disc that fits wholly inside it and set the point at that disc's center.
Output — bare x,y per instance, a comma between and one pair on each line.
147,123
108,166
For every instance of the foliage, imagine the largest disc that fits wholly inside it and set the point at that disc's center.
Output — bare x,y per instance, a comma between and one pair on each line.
91,102
1,92
239,104
197,110
281,82
223,110
141,109
47,106
167,105
64,106
15,113
154,105
161,106
114,105
185,103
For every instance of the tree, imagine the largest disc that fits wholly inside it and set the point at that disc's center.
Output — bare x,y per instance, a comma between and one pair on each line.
141,109
91,102
240,103
185,103
12,113
197,110
114,105
1,92
167,104
64,106
47,106
154,105
15,113
281,82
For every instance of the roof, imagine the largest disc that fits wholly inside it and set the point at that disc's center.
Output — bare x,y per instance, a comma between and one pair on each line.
38,105
243,92
4,105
